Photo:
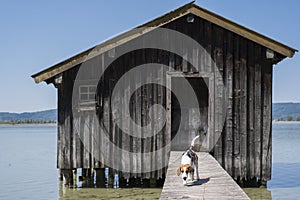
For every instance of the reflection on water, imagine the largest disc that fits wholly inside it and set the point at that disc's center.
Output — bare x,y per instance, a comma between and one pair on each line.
87,188
67,193
28,168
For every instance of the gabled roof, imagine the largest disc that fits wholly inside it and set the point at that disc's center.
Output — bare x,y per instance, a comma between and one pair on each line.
158,22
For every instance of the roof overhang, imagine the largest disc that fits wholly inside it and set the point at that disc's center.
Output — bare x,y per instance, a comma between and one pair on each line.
189,8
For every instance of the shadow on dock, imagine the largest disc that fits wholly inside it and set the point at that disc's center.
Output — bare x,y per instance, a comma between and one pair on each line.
201,181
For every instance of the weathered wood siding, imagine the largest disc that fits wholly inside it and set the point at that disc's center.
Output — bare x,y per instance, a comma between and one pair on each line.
244,148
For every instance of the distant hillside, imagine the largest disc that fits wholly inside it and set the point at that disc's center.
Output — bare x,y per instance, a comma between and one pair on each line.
283,111
29,117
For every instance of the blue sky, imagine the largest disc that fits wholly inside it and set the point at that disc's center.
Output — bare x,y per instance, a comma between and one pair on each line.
37,34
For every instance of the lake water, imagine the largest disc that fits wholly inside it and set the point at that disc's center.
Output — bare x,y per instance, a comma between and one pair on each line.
28,168
285,182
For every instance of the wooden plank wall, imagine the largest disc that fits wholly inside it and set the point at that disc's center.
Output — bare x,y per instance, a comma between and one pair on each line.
244,148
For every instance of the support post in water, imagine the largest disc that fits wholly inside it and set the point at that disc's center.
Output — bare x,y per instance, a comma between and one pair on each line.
100,177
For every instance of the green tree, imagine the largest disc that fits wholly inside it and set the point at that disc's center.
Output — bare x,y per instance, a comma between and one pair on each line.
289,118
298,118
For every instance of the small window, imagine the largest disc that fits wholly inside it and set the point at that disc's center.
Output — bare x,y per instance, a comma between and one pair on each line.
87,93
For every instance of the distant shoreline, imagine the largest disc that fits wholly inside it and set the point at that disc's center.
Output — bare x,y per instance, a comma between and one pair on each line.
285,122
37,124
55,124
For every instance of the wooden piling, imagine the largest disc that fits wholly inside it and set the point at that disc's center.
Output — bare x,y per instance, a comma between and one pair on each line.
100,177
67,176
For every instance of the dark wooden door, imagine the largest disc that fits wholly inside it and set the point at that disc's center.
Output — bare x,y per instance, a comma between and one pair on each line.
188,118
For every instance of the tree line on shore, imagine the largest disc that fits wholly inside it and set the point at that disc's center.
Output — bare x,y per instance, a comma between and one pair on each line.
288,118
286,111
28,121
39,117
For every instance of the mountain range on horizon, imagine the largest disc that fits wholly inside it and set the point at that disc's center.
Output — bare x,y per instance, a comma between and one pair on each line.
45,115
281,111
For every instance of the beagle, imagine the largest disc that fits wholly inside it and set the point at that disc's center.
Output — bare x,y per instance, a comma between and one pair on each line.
189,164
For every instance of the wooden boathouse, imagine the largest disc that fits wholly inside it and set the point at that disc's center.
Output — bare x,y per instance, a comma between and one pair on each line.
236,88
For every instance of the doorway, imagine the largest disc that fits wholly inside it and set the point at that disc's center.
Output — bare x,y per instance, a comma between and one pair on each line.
189,114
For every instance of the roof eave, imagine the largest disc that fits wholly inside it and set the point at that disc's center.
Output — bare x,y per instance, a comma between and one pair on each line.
243,31
111,43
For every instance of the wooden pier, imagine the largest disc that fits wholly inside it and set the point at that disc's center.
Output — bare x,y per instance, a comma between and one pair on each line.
214,183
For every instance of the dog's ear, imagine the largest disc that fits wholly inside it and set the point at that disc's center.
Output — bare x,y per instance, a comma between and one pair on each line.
190,169
178,170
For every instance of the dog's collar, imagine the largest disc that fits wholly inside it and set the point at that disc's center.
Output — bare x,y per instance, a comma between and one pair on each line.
189,153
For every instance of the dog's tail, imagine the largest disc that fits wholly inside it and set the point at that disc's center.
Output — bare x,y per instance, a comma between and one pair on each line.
193,141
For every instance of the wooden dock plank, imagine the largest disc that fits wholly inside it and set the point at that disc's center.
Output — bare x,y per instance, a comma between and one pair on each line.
214,183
